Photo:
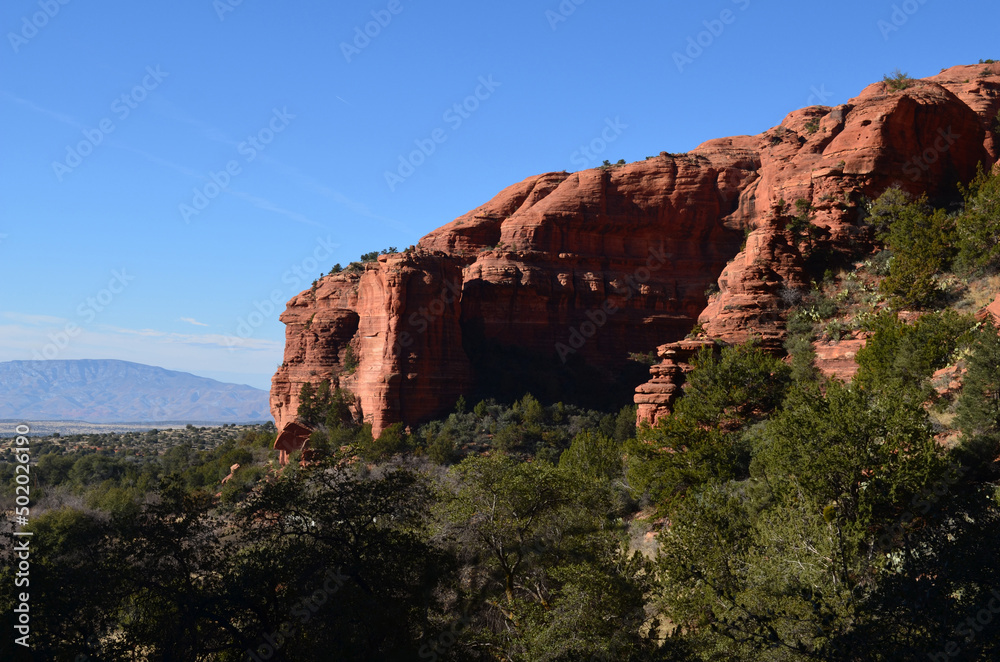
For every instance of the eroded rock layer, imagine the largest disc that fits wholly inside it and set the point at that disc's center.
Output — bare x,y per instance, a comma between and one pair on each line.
567,274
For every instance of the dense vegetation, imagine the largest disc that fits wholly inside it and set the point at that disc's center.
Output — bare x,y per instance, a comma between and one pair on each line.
776,515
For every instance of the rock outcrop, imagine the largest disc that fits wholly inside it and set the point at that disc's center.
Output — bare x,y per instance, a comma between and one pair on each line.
924,139
559,277
655,398
991,311
838,358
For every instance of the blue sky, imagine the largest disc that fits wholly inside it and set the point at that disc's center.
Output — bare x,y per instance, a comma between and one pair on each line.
171,169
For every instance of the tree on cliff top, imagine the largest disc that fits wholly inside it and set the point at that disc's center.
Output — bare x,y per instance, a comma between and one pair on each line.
371,257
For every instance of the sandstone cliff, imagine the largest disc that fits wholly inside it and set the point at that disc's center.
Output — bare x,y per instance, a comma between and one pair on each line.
556,280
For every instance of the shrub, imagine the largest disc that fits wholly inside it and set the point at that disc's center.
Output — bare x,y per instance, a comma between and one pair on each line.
442,449
901,356
678,456
836,330
649,358
393,440
740,384
321,406
350,361
922,241
812,126
978,226
800,223
880,262
593,457
979,406
897,81
790,296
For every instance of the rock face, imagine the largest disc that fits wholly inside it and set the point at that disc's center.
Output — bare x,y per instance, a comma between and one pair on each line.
923,139
992,310
558,278
657,396
838,358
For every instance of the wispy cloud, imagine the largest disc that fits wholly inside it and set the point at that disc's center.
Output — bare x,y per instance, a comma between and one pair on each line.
255,200
266,205
191,320
208,131
309,183
184,170
198,339
32,320
51,114
305,181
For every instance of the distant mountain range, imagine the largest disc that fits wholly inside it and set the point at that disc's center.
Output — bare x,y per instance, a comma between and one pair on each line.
109,391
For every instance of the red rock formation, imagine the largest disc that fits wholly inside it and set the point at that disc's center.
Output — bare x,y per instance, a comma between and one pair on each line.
922,139
584,268
838,358
978,85
399,318
832,158
947,381
992,310
655,397
293,437
232,472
